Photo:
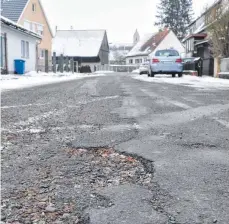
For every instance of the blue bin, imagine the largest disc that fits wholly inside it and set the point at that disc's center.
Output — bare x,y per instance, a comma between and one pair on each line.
19,66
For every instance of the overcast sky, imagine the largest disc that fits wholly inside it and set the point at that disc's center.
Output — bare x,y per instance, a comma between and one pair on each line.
120,17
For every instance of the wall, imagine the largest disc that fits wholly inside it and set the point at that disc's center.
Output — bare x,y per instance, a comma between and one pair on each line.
14,39
38,17
143,58
224,65
170,41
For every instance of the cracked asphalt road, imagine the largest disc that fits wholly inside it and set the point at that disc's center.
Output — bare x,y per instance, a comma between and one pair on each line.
184,131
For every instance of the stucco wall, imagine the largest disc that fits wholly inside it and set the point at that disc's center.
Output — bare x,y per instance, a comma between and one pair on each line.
134,58
14,39
38,17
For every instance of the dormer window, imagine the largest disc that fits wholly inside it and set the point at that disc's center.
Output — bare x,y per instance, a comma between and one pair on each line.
34,7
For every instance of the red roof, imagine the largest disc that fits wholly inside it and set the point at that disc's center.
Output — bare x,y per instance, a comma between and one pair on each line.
155,40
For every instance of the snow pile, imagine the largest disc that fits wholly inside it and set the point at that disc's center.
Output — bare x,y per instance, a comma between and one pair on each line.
136,71
204,82
30,79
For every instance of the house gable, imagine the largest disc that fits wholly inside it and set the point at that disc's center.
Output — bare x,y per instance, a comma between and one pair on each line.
104,50
170,41
37,18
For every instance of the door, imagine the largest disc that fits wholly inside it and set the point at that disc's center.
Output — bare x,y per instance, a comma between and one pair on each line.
46,61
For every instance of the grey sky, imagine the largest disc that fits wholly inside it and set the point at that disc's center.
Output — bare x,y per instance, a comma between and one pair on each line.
120,17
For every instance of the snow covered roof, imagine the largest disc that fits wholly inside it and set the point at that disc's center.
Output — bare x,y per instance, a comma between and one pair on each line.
78,43
136,50
18,27
148,43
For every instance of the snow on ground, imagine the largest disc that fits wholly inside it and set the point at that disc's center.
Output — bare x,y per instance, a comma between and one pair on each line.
136,71
9,82
99,72
204,82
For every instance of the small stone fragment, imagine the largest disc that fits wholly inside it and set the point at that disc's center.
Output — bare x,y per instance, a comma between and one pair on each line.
50,208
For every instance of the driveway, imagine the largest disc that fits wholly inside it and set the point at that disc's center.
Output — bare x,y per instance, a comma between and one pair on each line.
116,149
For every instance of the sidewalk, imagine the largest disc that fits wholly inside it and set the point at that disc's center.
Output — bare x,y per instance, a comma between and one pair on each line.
9,82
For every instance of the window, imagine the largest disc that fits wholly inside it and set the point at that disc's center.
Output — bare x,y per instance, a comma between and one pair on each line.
24,49
167,53
140,60
27,25
27,49
42,53
131,61
40,29
33,27
34,7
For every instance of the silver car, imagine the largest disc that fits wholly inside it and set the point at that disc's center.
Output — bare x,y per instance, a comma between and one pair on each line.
144,68
166,62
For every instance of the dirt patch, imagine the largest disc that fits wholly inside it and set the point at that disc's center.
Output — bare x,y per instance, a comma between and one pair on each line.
65,189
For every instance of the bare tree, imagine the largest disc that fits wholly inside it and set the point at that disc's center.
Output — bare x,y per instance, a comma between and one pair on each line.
118,57
219,30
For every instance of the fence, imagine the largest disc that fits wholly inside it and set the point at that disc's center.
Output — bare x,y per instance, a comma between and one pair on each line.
117,68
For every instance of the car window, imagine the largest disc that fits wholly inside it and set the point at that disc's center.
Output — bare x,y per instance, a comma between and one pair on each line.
166,53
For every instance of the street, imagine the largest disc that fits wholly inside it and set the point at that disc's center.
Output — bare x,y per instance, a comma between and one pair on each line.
115,149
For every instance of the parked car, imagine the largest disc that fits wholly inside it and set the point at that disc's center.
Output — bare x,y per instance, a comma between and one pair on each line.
166,62
144,68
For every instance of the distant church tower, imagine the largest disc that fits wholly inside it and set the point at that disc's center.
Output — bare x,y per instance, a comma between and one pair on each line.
136,37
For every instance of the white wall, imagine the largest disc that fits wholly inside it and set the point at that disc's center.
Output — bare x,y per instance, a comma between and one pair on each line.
136,58
170,41
14,39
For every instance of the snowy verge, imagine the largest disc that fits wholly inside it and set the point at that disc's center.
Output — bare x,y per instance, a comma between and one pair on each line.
204,82
136,71
9,82
100,72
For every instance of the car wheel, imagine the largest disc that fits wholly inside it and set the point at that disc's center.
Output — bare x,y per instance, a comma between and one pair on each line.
140,73
180,74
173,75
152,74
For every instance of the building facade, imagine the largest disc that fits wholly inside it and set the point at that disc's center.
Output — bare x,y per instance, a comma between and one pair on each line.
31,15
17,43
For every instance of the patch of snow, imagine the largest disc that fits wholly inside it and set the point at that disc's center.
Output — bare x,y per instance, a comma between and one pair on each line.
19,27
224,73
9,82
136,71
204,82
103,71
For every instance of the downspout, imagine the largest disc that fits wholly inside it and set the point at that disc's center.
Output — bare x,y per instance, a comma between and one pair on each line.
38,43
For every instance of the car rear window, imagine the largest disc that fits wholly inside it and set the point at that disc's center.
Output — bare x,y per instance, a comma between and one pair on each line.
167,53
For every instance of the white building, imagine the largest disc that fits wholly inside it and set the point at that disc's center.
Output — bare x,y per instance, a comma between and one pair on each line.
151,43
17,43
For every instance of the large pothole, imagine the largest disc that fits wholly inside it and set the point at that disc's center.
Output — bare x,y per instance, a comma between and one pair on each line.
71,185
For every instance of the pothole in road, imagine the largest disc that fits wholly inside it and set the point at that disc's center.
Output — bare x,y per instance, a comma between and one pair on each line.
72,184
106,167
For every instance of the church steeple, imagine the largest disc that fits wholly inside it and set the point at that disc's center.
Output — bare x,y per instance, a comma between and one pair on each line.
136,37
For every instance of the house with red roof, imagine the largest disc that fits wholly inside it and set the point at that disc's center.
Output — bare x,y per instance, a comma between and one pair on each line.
150,43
